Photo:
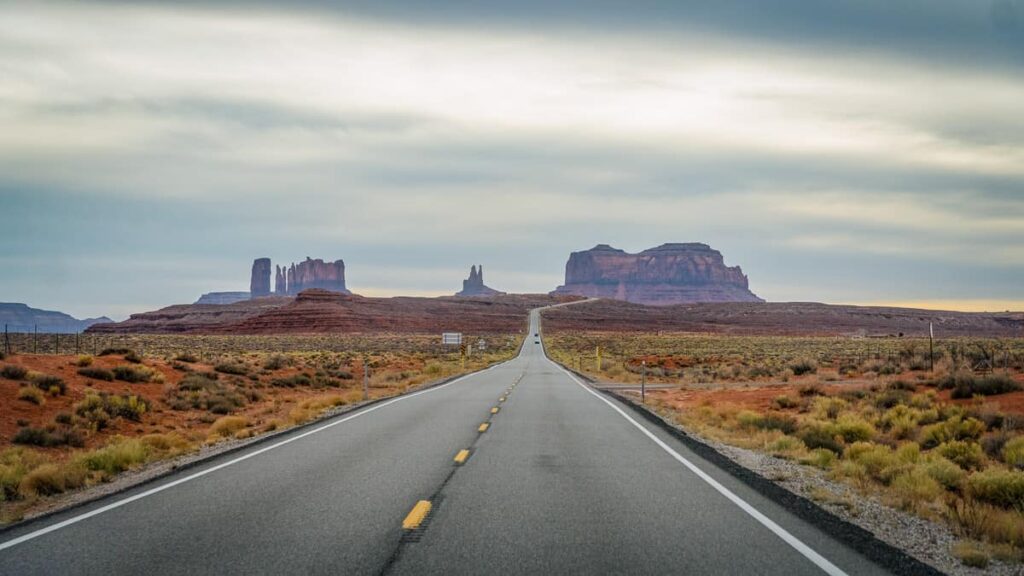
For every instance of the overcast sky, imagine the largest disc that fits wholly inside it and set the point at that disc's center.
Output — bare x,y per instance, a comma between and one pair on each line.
862,151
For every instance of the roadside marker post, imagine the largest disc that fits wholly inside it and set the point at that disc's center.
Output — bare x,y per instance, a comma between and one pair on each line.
643,381
931,347
366,379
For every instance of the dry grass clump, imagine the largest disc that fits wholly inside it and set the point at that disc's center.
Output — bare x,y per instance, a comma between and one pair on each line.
97,373
31,395
227,426
13,372
136,374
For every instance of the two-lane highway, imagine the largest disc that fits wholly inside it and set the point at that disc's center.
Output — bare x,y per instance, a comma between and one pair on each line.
563,480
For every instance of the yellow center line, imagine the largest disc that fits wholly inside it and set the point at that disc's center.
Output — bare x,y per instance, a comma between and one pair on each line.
502,399
483,427
494,410
462,456
417,515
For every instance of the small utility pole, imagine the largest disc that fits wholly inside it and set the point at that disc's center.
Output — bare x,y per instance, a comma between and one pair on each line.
597,352
366,379
35,338
931,347
643,382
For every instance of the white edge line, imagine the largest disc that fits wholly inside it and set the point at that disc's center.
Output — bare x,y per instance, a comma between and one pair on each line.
804,549
75,519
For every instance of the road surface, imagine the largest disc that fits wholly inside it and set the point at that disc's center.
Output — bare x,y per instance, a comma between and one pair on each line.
563,481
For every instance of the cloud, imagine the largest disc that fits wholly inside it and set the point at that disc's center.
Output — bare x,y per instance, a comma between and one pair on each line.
817,148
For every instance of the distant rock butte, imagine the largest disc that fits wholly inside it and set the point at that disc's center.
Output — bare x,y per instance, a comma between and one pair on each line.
315,274
223,297
259,283
669,274
474,285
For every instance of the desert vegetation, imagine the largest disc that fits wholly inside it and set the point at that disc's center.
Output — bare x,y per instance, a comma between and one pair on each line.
77,420
939,436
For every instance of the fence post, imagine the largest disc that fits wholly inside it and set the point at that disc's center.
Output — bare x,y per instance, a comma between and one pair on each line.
35,338
643,382
366,379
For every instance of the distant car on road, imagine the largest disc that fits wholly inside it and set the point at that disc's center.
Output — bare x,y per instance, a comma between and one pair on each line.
536,341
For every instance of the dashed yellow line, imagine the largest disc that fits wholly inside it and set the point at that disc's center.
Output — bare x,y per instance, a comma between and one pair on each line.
461,457
483,427
494,410
417,515
502,399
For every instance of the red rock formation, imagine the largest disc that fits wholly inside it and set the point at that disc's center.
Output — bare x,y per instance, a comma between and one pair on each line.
280,283
474,285
316,274
259,282
668,274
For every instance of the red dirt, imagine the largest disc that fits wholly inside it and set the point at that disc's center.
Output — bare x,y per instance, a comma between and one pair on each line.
780,318
320,311
276,402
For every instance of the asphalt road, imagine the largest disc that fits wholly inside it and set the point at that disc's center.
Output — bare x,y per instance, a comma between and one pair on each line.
564,481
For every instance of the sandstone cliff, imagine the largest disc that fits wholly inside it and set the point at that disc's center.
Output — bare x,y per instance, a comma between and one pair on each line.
259,282
668,274
316,274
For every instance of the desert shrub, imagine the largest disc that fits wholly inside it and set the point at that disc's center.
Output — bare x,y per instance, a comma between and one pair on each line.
820,435
880,462
231,368
97,373
829,408
852,428
13,372
3,356
985,386
133,357
201,392
913,486
784,402
33,437
49,479
48,383
134,374
98,409
770,421
276,362
166,444
820,457
1003,488
291,381
786,446
342,374
902,385
31,395
120,455
48,438
116,351
432,368
803,366
965,384
228,425
891,397
955,428
186,357
945,472
967,455
1013,452
83,361
811,390
971,554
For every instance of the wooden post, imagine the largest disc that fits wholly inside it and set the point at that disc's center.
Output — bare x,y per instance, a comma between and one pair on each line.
931,347
35,338
597,352
643,382
366,378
